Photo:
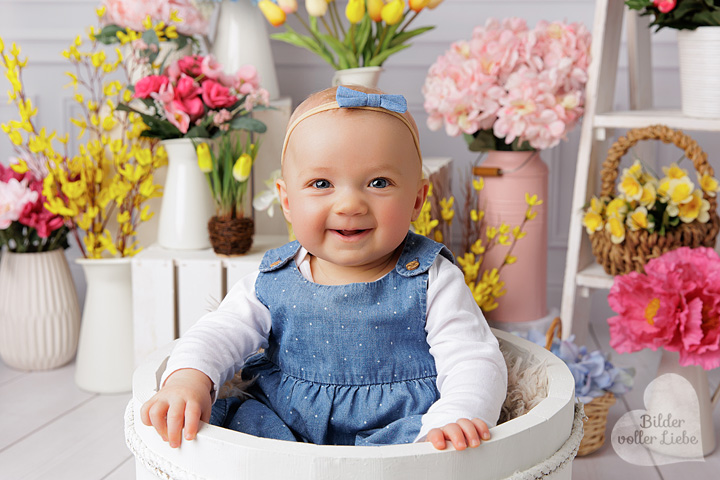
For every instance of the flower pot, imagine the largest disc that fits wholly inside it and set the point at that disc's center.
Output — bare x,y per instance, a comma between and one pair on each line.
187,203
363,76
39,311
503,200
105,361
231,236
699,52
241,38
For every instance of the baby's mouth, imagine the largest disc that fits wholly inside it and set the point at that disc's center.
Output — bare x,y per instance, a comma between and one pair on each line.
350,233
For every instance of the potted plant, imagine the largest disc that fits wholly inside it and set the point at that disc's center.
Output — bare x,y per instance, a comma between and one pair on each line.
698,36
193,98
512,91
356,48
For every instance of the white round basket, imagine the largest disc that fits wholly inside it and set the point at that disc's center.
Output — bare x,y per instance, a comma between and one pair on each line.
539,444
699,53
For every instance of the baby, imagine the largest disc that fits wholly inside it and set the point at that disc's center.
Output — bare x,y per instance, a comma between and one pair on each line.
370,335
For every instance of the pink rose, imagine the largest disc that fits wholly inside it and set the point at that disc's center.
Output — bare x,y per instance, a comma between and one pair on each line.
665,5
150,84
216,96
187,98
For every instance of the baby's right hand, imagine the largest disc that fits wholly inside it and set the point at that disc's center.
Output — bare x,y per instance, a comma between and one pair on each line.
184,400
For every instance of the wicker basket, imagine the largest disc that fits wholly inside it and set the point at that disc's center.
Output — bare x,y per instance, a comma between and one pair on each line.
596,410
641,246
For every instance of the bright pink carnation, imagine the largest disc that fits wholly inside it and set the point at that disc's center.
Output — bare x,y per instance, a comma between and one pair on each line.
674,305
150,84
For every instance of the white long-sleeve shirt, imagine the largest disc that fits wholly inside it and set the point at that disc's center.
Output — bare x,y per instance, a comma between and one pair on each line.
471,371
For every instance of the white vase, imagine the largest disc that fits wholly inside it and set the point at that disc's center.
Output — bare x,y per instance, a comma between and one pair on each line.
241,38
363,76
666,399
503,201
187,203
699,55
105,360
39,310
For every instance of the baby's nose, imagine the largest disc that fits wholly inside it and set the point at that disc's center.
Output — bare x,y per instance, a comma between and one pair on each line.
350,203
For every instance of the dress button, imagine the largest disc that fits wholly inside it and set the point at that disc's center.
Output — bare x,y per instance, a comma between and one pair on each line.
412,265
275,263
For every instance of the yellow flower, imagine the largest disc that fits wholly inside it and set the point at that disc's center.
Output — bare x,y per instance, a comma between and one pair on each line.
316,8
288,6
592,222
638,220
434,3
123,217
417,5
478,184
708,184
630,187
273,13
204,159
532,200
518,233
438,236
696,209
510,259
242,167
477,247
355,10
597,205
649,194
678,190
374,8
392,12
446,209
673,171
491,232
98,58
651,310
616,228
109,123
616,208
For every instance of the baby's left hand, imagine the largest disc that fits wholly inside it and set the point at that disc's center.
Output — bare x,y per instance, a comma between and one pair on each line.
462,434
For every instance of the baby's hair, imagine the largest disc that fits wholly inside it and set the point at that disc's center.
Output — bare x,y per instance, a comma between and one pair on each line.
315,102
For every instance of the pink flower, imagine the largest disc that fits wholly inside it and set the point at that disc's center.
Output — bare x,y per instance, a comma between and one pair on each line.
150,84
190,65
211,68
187,98
665,5
177,116
674,305
223,116
246,79
14,195
216,96
132,14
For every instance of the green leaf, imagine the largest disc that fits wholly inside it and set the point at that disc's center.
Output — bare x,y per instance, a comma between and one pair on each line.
481,141
405,36
198,131
249,124
108,35
302,41
346,57
157,127
363,33
378,59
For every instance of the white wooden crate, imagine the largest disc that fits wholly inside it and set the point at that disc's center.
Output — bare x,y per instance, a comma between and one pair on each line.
172,289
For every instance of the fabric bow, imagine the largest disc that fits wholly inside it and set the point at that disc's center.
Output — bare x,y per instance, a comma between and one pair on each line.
347,97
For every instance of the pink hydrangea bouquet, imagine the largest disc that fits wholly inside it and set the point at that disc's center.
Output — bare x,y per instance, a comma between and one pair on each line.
25,224
674,305
193,97
510,87
187,19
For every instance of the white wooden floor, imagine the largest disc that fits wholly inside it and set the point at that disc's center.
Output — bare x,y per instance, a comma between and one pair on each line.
51,430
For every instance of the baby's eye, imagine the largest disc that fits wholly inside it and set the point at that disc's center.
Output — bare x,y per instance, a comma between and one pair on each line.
379,183
320,184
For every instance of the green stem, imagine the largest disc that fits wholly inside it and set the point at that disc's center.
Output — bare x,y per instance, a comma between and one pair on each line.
322,19
382,39
337,15
409,22
332,20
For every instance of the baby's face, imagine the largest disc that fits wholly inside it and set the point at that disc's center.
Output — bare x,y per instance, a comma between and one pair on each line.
351,186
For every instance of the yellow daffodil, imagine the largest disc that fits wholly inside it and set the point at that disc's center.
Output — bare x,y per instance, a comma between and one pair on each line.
638,220
708,184
242,167
273,13
316,8
593,222
597,205
649,194
355,11
204,159
673,171
616,208
616,228
417,5
630,187
677,190
392,12
374,8
696,209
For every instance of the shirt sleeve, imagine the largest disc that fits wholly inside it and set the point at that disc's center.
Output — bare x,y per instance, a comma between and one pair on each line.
221,341
472,374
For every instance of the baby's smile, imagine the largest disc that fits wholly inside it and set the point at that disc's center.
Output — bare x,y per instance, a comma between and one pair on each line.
351,234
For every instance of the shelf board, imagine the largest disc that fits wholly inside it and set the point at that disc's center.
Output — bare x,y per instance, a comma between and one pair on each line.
594,277
643,118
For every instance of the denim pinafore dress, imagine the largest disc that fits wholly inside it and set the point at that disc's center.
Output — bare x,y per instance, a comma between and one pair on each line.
345,364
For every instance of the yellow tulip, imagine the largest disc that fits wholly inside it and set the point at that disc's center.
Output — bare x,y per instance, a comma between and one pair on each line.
417,5
434,3
273,13
288,6
242,167
316,8
355,10
392,12
374,8
204,158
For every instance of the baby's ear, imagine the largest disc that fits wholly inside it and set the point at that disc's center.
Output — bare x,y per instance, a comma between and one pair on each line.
420,198
282,192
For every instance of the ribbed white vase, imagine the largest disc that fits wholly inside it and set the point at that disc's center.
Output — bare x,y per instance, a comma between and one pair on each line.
187,203
363,76
105,361
699,55
39,311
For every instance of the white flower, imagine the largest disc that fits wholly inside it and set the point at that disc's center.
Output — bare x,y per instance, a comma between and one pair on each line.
266,199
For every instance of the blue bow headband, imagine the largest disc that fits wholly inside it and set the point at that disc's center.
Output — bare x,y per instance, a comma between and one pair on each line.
394,105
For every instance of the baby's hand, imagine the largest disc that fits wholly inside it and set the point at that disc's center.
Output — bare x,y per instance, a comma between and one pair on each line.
463,433
184,400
